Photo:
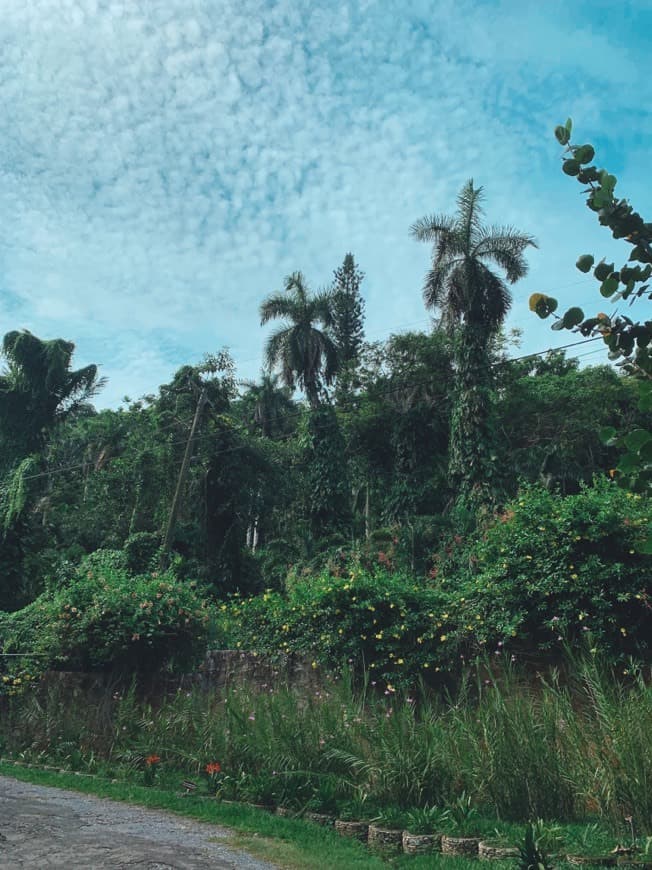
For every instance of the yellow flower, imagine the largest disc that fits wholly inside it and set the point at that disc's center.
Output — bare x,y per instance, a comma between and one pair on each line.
400,662
623,631
443,637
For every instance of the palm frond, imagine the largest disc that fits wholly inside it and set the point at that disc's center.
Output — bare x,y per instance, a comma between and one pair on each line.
505,247
296,284
321,307
470,211
330,356
431,227
277,305
435,284
275,350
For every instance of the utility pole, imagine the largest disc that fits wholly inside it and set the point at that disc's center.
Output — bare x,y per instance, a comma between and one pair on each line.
176,501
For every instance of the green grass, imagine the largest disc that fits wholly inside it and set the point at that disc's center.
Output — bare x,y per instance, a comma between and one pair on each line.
289,843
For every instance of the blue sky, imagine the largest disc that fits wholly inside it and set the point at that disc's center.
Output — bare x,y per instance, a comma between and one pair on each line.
165,163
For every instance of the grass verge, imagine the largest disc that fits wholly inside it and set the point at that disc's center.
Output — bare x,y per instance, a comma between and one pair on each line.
290,844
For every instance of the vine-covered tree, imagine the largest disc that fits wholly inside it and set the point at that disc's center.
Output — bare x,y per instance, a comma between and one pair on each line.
473,302
305,353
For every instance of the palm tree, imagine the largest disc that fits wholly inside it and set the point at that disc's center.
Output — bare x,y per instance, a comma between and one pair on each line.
305,354
473,302
38,389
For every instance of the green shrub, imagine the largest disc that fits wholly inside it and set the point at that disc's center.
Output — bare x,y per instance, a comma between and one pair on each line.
552,567
387,624
140,551
104,618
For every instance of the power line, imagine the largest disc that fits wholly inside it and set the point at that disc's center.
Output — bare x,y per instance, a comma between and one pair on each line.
397,385
423,320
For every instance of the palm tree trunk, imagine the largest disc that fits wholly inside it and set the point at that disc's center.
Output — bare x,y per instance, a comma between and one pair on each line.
471,465
312,393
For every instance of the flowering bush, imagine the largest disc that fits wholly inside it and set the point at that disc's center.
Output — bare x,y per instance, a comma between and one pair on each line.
388,624
106,618
548,568
551,568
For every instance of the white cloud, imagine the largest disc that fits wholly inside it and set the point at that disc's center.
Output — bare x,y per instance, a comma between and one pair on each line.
166,164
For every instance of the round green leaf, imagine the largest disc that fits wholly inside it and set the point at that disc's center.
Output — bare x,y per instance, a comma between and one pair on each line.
607,435
585,262
603,270
542,305
609,287
573,317
571,166
584,154
636,439
562,135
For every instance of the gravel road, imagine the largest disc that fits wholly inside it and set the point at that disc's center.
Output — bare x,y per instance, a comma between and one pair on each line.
48,827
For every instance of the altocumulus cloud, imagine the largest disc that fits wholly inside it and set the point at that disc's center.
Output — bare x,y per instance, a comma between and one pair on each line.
165,163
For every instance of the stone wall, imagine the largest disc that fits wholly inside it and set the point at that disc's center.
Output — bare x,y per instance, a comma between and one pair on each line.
220,669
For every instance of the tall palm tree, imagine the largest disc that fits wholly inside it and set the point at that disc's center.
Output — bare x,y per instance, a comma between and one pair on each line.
305,354
473,302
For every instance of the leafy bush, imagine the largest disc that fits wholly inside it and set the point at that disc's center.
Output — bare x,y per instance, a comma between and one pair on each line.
552,567
387,624
104,618
547,570
140,550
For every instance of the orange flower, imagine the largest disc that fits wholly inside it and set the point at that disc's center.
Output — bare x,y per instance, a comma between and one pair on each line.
152,759
213,767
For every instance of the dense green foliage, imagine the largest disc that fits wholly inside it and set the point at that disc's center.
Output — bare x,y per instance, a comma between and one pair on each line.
430,499
552,568
546,572
101,617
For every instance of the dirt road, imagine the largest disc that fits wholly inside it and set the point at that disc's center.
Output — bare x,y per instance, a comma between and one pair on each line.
48,827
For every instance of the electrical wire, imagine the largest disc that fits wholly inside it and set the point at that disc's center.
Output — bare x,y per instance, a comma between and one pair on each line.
299,413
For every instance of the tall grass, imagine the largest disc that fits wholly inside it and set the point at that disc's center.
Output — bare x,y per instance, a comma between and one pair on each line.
523,747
